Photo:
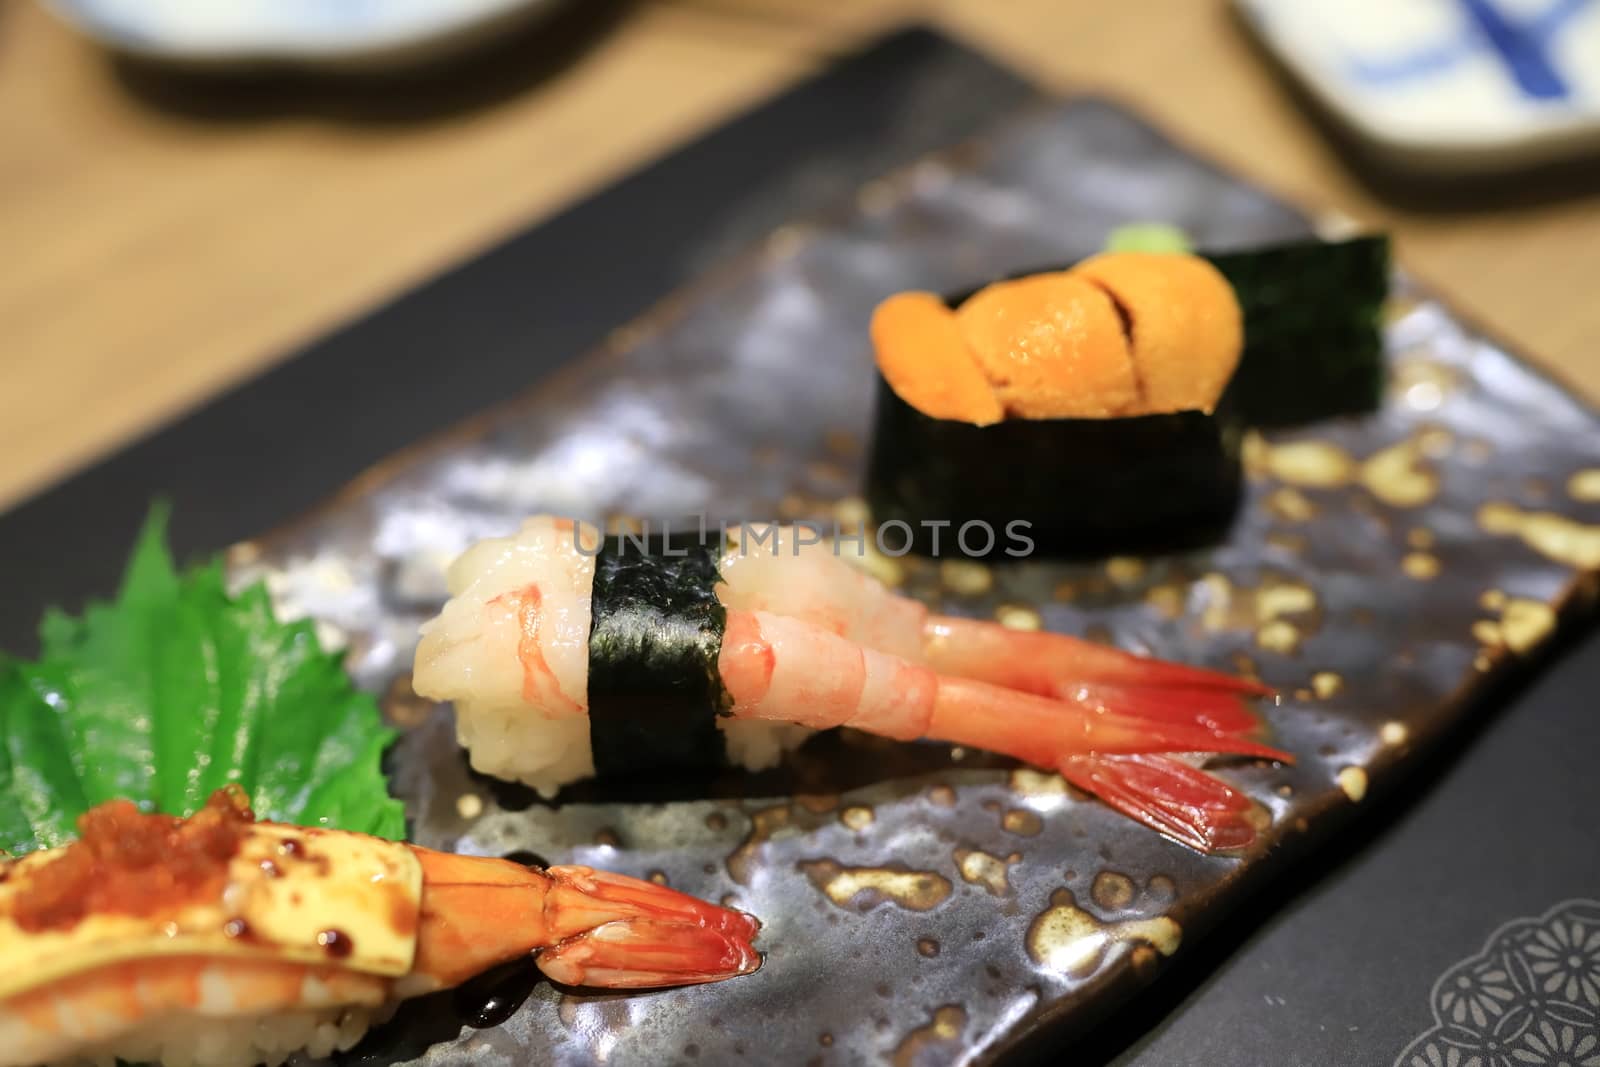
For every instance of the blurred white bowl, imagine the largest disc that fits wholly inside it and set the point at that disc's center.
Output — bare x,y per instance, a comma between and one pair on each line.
1447,86
324,33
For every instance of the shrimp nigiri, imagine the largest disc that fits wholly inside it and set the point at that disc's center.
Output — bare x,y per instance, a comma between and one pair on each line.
220,940
555,644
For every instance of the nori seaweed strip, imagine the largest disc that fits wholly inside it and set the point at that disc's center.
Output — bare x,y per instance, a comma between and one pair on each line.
1313,338
1089,487
654,637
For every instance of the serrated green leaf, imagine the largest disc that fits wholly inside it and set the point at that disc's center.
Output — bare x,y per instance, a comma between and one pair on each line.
175,689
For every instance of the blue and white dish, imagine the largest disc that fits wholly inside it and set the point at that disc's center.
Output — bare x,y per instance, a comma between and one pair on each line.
299,32
1447,85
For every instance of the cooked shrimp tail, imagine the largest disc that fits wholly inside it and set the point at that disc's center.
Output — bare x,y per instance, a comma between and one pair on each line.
1169,796
631,934
1050,663
588,927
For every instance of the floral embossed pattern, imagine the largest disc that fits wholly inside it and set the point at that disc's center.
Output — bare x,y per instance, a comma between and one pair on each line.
1531,997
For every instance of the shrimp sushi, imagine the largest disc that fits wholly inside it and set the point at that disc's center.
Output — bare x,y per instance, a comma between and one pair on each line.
221,941
569,655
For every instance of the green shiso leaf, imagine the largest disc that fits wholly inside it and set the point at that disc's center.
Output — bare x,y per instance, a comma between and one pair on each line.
1147,237
173,690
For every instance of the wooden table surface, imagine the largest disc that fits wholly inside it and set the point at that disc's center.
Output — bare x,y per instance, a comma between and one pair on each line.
164,242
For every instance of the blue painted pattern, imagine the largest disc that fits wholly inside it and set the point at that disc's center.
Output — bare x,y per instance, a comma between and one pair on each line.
1522,45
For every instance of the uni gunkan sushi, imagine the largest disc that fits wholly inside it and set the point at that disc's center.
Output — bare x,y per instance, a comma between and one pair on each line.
568,655
1104,404
1086,403
220,941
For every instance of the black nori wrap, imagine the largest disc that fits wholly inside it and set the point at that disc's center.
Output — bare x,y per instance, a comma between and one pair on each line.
1313,338
654,636
1087,486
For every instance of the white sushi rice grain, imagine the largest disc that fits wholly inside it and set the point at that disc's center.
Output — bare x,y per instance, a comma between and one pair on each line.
209,1041
757,744
518,745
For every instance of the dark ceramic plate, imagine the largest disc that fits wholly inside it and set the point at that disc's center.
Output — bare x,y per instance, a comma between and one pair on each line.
924,905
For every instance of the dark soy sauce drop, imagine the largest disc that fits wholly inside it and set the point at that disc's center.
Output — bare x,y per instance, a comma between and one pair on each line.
495,995
336,943
526,858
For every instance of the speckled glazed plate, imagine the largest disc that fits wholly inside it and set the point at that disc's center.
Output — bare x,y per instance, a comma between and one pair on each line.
923,905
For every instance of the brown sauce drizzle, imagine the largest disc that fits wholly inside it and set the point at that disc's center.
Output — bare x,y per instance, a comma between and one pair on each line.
403,910
336,943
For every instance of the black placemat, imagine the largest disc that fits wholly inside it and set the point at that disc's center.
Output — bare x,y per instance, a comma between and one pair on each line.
1335,967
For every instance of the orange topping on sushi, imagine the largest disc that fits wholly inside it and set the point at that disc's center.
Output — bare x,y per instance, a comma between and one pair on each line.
924,358
1052,347
132,863
1184,324
1124,333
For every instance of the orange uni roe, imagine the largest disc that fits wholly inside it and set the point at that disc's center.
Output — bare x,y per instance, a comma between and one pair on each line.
130,863
925,359
1184,325
1052,346
1121,334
